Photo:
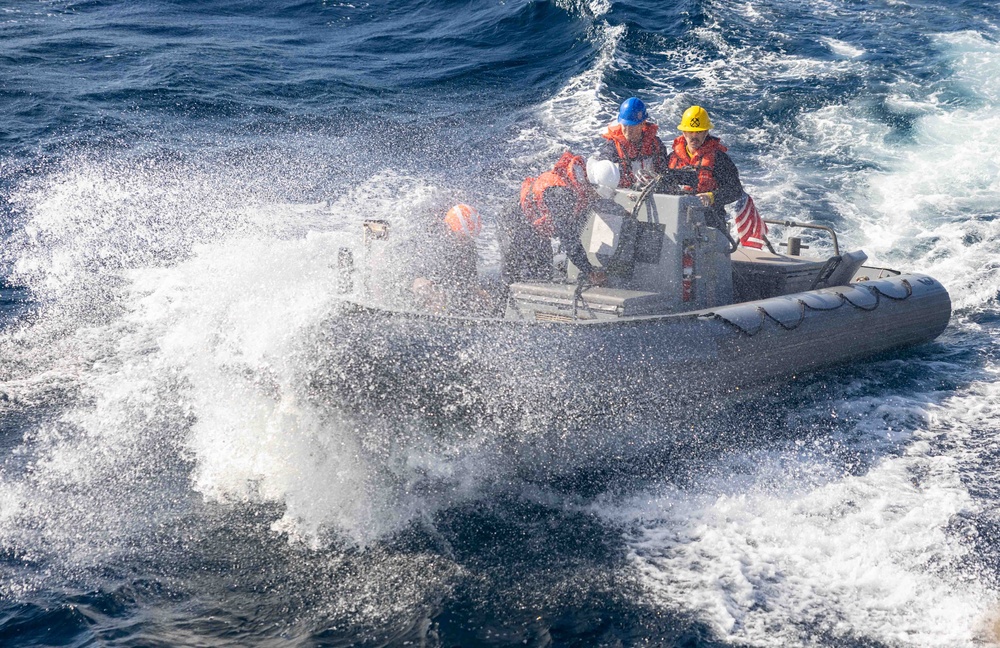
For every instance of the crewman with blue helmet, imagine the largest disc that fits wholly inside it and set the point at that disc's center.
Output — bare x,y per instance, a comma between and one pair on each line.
633,145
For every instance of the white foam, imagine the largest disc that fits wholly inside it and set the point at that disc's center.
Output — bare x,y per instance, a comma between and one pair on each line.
841,48
975,63
575,115
936,206
179,330
786,549
579,111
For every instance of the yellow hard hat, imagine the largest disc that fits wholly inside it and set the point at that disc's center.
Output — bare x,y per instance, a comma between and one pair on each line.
695,118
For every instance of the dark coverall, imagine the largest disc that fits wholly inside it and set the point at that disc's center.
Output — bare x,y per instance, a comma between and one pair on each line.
526,253
728,188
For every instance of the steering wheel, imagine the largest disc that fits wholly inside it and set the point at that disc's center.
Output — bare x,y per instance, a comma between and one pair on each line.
674,182
677,182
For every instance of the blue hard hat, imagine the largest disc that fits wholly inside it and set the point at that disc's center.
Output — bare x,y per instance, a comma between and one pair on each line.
632,112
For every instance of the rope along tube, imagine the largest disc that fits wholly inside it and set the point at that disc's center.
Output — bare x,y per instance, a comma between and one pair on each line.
803,307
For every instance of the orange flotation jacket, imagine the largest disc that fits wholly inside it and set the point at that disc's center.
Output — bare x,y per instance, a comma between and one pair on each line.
633,156
703,160
569,172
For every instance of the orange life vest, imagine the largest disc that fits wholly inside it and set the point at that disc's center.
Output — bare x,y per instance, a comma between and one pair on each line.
633,155
569,172
703,160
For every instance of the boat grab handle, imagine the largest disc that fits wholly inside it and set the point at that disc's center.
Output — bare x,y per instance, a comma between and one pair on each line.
732,242
788,223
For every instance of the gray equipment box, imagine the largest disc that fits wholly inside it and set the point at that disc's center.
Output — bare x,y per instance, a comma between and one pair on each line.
564,302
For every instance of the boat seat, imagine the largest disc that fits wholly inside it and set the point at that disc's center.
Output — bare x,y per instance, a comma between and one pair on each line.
761,274
849,265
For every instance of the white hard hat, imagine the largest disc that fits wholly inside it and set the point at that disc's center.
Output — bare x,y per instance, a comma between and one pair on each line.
604,174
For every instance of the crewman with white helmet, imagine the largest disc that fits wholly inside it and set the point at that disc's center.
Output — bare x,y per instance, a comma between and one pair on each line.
552,205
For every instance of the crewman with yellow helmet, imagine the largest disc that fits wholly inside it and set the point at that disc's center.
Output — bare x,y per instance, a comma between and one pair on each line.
718,180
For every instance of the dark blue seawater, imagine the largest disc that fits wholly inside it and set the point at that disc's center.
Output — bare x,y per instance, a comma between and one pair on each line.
176,181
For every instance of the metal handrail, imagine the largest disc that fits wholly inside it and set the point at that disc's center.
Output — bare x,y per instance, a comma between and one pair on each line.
787,223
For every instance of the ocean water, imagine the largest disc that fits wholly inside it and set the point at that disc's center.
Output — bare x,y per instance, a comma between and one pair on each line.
176,181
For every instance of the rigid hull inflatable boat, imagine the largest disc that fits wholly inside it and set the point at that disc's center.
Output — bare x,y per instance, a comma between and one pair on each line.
684,310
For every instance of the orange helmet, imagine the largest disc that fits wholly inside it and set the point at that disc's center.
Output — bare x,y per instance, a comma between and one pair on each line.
464,220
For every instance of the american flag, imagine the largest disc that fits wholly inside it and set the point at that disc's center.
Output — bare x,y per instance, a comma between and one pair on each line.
749,225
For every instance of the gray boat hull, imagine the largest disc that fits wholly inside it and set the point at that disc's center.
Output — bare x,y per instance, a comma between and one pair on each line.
550,398
680,357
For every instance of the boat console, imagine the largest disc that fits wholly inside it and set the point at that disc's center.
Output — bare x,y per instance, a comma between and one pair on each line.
661,257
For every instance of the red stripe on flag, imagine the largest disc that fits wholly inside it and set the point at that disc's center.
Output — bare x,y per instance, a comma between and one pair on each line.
749,225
